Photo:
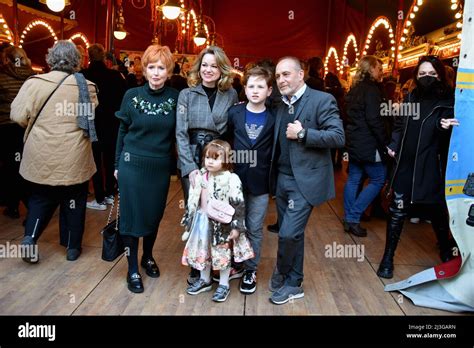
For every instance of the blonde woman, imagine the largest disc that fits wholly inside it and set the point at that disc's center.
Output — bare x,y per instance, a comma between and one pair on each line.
366,142
202,113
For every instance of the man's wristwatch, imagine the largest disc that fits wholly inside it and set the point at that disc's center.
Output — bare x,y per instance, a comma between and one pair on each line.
301,135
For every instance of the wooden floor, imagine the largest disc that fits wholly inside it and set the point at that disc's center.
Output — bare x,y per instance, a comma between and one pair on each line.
333,286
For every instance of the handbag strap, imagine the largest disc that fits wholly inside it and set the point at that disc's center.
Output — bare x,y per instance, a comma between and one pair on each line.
46,102
109,219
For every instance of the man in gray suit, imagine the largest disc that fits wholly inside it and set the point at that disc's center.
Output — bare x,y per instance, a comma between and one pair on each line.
307,126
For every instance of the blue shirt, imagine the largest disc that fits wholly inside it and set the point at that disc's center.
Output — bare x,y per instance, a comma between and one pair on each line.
254,123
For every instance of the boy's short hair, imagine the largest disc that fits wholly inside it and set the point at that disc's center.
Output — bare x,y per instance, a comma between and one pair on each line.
258,71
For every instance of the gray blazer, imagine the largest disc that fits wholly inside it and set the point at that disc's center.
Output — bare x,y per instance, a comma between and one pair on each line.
193,112
311,161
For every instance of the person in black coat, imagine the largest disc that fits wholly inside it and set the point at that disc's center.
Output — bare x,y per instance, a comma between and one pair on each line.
251,126
177,81
366,142
112,87
420,146
316,70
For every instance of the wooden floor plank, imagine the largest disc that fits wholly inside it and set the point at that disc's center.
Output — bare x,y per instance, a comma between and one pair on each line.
332,285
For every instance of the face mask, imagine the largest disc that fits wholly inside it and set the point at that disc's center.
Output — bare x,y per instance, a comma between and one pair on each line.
427,81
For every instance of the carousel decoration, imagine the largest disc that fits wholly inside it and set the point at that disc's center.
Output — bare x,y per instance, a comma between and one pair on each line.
386,55
36,23
382,20
80,36
56,5
5,33
193,28
345,60
332,52
445,44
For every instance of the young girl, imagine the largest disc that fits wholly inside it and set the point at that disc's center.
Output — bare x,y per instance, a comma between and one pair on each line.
211,244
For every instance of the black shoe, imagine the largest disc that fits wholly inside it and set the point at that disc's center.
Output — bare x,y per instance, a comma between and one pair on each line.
151,267
193,276
273,228
248,285
357,230
73,254
235,273
11,213
29,250
385,270
135,283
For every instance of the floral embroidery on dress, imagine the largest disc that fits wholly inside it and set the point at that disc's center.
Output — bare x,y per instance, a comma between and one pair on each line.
146,107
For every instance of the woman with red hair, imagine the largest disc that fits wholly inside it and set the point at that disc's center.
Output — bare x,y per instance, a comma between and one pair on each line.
143,160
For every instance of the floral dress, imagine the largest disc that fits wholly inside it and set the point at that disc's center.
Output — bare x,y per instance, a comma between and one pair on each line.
208,242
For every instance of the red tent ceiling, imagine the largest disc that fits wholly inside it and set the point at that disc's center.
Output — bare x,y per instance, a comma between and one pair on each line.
250,29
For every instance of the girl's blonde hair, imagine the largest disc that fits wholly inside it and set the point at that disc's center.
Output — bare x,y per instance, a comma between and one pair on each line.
363,68
223,63
218,148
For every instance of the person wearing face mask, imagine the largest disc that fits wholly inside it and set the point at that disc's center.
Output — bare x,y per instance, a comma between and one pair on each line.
419,145
202,116
366,142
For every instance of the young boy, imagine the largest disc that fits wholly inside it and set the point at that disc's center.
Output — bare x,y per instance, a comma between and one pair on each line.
251,127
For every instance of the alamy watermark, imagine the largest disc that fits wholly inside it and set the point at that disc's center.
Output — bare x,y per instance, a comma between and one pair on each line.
8,250
242,157
345,251
400,109
37,331
75,109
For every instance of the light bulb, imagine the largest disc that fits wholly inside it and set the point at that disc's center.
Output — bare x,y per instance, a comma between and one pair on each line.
56,5
120,35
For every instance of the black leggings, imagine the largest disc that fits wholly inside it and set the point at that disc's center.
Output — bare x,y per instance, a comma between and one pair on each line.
131,245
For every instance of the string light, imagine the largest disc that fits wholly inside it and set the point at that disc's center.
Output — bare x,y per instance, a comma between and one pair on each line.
5,30
382,20
81,37
350,39
331,52
33,24
412,14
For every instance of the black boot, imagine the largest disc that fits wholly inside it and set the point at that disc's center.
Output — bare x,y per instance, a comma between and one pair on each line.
356,229
394,229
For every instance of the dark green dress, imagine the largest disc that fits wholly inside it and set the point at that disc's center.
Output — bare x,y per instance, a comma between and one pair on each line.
143,157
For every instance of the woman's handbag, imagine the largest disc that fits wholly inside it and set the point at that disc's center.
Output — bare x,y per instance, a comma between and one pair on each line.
220,211
112,244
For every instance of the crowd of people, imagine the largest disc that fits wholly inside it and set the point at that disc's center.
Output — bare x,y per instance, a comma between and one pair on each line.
130,131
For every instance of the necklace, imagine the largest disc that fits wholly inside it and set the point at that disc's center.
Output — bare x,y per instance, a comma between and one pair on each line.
212,95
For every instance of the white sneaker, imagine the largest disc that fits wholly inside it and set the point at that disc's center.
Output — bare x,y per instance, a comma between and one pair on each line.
97,206
109,199
415,220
